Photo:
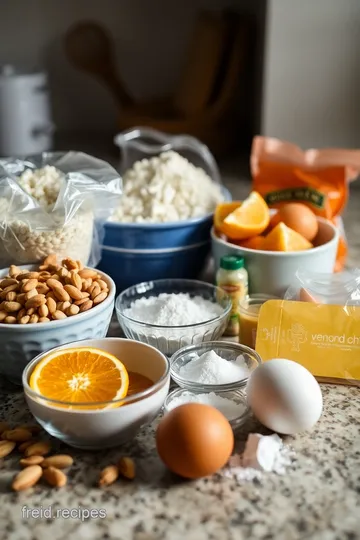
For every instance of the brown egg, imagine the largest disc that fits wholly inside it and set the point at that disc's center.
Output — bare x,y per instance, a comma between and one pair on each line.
194,440
298,217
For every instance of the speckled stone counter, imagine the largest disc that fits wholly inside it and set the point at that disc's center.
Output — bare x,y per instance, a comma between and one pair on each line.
318,498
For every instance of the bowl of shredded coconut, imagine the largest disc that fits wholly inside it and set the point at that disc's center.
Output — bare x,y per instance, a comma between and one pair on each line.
213,366
171,187
172,313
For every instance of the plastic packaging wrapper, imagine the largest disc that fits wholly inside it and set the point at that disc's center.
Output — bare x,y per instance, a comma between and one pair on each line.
55,203
282,172
338,289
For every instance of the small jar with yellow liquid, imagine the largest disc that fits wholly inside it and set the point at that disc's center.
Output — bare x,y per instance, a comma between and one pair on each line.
233,279
249,317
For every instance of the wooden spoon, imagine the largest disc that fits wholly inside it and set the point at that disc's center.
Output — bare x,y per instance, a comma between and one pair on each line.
89,48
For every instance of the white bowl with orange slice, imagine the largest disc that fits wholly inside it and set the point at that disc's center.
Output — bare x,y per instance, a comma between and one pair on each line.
99,393
274,244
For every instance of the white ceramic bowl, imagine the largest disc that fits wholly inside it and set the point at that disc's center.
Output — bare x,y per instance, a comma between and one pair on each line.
107,427
20,343
272,272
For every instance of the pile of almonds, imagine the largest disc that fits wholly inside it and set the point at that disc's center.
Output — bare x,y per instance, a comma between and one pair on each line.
36,466
54,292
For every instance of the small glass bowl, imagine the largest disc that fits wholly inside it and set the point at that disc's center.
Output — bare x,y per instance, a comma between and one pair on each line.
227,350
169,339
239,396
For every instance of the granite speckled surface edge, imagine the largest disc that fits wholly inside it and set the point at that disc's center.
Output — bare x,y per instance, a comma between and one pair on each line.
318,498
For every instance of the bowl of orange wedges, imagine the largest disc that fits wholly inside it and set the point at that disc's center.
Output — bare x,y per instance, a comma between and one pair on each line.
97,393
274,243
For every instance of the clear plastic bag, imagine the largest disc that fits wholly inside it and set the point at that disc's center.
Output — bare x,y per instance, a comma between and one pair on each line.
336,289
55,203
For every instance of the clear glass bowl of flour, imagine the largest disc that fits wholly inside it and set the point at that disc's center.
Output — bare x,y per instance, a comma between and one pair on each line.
215,366
172,313
231,403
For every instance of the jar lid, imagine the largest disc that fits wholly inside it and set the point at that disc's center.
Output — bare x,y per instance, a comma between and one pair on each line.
231,262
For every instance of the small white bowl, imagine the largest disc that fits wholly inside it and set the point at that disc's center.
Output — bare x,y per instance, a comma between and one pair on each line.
272,272
105,428
22,342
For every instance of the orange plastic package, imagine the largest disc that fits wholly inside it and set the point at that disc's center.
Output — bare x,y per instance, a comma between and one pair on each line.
282,172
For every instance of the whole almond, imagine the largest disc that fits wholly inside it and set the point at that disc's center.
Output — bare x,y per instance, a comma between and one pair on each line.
21,298
44,319
80,302
51,304
63,273
7,282
11,296
60,461
50,259
17,435
57,315
35,301
31,294
87,273
14,271
10,307
79,265
44,276
53,283
85,294
43,311
72,310
54,477
86,284
93,286
86,306
28,275
61,294
32,460
75,280
43,267
11,288
6,447
108,476
30,311
73,292
10,319
126,466
27,478
25,319
70,264
42,288
95,292
4,426
29,285
103,284
21,314
100,297
62,306
3,315
23,446
34,318
40,448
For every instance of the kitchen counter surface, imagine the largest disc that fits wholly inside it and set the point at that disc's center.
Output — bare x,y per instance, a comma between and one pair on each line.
318,498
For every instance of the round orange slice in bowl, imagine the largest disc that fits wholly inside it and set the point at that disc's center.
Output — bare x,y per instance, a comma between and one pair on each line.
250,219
84,375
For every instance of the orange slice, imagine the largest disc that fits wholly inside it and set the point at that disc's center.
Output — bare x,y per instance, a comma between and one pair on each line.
282,238
249,219
222,210
252,243
81,375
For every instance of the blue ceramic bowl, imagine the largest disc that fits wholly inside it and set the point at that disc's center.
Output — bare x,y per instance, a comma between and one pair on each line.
176,234
128,267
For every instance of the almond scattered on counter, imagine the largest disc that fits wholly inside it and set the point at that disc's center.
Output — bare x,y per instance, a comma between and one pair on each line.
54,477
23,446
32,460
40,448
60,461
126,466
6,447
27,478
17,435
109,475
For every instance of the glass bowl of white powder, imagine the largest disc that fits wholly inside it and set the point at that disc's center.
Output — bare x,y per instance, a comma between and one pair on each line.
172,313
232,403
213,366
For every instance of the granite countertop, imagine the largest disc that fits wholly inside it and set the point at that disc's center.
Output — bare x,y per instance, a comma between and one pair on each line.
318,498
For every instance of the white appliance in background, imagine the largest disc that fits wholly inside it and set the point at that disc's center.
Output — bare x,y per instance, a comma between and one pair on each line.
25,117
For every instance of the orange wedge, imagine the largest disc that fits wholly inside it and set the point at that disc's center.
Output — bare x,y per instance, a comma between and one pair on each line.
82,375
282,238
223,210
252,243
249,219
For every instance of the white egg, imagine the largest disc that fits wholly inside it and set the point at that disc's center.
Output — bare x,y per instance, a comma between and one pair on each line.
284,396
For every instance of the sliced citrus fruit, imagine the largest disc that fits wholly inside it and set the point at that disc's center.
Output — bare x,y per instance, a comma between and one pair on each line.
249,219
282,238
252,243
81,375
222,210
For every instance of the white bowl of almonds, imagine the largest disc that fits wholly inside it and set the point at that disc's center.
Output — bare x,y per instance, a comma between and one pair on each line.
47,305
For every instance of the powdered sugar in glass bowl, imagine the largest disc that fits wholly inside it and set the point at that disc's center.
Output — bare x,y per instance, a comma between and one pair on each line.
173,313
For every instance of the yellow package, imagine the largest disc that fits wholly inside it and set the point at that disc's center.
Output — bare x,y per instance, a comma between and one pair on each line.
325,339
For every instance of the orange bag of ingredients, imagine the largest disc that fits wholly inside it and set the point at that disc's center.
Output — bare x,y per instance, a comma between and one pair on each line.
282,172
